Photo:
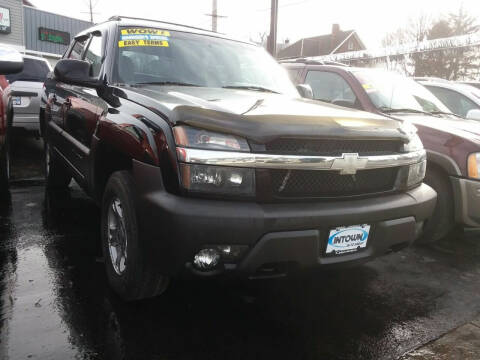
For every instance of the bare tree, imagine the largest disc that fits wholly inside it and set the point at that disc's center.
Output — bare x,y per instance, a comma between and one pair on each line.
450,64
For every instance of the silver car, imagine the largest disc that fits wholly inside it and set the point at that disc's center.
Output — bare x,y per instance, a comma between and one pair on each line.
26,91
460,99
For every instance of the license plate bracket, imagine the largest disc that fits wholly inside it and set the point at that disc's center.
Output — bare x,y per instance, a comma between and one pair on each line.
347,239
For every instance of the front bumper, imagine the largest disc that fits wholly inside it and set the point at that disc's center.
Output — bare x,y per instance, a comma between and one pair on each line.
467,201
173,228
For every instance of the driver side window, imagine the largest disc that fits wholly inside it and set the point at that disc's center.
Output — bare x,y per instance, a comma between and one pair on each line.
330,87
94,55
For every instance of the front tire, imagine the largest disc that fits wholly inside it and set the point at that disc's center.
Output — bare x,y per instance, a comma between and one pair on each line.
442,222
130,276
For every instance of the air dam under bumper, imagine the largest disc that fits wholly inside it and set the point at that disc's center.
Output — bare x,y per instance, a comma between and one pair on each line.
174,228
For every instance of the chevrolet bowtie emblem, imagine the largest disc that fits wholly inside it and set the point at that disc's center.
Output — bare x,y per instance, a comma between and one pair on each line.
349,163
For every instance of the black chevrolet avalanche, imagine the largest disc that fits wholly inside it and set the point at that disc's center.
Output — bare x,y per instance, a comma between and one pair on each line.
206,161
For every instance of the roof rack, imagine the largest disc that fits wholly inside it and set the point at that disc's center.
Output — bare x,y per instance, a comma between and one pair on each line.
310,62
120,17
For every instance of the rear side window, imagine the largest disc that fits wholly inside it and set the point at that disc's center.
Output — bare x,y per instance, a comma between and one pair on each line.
77,49
456,102
33,70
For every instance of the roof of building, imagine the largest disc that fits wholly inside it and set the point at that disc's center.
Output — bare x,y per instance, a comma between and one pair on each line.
318,45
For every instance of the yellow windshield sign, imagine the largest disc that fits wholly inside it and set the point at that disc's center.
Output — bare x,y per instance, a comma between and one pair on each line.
143,37
145,31
127,43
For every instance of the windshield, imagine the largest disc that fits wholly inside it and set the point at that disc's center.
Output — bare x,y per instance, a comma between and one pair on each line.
160,56
388,90
33,70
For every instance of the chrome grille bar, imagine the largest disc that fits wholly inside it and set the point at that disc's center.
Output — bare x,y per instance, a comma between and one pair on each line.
346,164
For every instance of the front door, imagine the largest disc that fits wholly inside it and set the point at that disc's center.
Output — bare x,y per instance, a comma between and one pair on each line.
81,110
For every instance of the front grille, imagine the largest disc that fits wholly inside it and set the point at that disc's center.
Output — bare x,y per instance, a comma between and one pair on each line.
329,147
311,184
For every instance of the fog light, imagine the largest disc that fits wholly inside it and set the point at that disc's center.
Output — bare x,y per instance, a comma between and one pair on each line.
231,253
206,259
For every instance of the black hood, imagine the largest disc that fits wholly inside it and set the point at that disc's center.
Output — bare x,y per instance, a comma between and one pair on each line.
260,116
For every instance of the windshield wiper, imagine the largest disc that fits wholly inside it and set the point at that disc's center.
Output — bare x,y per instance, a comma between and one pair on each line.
388,110
445,113
176,83
250,87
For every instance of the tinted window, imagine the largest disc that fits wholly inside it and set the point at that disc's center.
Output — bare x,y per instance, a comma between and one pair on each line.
456,102
330,87
33,70
94,55
77,49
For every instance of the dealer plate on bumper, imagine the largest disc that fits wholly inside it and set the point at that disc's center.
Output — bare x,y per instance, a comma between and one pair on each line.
347,239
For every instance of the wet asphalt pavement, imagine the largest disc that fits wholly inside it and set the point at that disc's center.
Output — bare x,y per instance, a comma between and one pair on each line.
55,303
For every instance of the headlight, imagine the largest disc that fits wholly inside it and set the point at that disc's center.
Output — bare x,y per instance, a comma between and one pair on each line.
187,136
474,166
219,180
416,173
415,143
215,180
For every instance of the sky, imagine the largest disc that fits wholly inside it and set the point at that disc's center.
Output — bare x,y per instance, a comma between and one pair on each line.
248,19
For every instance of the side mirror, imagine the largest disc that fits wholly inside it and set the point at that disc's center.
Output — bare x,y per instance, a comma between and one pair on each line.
474,114
11,61
75,72
305,91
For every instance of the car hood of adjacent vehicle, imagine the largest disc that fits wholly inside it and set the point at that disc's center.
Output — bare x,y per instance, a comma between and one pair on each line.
468,129
260,116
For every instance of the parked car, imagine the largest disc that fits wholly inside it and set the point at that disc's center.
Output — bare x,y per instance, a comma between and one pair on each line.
461,99
205,160
26,91
10,62
452,143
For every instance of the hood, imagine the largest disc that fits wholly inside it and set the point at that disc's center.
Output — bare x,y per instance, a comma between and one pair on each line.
260,116
468,129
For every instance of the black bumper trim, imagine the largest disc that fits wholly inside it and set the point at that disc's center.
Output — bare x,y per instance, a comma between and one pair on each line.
173,228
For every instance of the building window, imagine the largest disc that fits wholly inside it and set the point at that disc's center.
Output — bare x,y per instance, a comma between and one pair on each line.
350,45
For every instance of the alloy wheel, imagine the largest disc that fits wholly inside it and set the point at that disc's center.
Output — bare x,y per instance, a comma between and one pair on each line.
117,236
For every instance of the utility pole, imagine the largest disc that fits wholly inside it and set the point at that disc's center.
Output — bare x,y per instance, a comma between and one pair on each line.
272,38
215,15
91,7
91,11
